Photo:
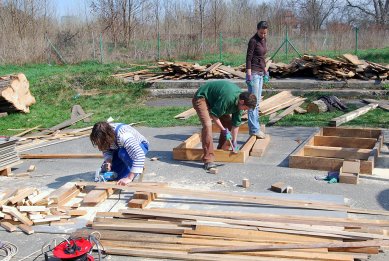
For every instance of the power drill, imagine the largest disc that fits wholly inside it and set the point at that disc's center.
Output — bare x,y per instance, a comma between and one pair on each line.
106,175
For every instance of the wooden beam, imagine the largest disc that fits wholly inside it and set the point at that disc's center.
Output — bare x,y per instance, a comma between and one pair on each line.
16,214
62,193
186,114
260,146
26,229
286,112
97,196
26,131
61,156
345,142
8,226
70,122
352,115
352,132
370,243
337,152
384,104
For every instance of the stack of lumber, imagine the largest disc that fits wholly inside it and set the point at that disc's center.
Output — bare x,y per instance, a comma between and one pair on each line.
284,100
15,94
183,70
186,234
345,67
25,207
8,155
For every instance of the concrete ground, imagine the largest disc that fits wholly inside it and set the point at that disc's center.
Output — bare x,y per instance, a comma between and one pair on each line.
262,172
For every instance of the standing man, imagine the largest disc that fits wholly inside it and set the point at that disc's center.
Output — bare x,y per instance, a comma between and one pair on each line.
256,74
124,149
216,100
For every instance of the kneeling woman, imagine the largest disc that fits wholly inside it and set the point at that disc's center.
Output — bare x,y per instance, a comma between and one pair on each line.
124,149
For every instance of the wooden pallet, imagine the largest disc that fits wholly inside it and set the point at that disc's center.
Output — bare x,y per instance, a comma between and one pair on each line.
187,151
329,147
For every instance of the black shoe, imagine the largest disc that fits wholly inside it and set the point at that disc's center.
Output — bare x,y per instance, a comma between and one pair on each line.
209,165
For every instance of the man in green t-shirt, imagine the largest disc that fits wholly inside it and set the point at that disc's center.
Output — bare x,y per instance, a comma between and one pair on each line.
217,100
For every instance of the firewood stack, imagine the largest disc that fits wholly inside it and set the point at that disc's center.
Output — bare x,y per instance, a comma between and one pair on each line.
345,67
15,94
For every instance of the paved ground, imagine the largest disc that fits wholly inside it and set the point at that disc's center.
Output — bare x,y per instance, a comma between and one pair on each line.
262,172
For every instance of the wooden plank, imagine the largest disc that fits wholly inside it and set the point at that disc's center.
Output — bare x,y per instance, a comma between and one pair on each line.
97,196
26,131
352,115
384,104
70,122
26,229
232,71
284,113
248,145
197,154
22,194
260,146
61,156
369,243
32,208
337,152
6,171
141,227
345,142
16,214
274,100
35,199
8,226
63,192
328,164
138,203
186,114
352,132
77,212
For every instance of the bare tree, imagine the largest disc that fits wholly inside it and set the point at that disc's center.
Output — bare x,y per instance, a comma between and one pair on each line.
314,13
218,8
376,9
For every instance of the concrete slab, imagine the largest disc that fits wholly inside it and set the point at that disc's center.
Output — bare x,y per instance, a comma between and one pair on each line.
262,172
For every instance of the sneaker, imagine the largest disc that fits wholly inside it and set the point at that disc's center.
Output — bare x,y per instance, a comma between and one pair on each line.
209,165
259,135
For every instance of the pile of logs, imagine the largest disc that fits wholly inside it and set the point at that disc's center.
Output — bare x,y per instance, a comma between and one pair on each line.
15,94
236,233
183,70
345,67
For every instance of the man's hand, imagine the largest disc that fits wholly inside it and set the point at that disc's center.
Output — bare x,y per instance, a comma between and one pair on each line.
226,133
249,78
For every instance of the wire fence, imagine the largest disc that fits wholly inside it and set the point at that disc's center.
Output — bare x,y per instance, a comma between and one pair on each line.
72,48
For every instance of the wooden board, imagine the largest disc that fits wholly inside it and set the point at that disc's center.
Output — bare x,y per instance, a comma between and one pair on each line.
260,146
337,152
352,132
8,226
352,115
97,196
345,142
285,113
61,156
70,122
383,104
26,229
186,114
16,214
63,192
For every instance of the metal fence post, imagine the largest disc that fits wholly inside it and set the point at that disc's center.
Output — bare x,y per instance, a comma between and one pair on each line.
158,47
101,49
286,45
356,40
220,46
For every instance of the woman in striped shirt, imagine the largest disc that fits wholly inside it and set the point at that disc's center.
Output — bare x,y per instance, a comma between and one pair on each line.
124,149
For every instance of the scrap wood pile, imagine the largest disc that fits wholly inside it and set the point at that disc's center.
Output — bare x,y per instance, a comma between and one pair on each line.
183,70
344,67
240,234
25,207
15,94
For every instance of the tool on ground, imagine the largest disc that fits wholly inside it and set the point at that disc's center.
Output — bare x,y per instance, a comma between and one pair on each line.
104,174
75,249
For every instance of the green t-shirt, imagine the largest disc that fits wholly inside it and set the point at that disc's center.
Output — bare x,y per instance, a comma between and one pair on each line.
222,97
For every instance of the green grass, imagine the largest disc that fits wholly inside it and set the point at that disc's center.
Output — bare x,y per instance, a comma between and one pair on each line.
58,88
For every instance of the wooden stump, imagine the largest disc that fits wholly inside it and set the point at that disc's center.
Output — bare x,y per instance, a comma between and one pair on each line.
317,106
15,94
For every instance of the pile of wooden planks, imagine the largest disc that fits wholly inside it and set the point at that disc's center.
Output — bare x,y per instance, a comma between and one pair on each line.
330,146
25,207
239,234
8,156
183,70
345,67
15,95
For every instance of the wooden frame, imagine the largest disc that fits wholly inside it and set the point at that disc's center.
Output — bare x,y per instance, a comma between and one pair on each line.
187,151
330,146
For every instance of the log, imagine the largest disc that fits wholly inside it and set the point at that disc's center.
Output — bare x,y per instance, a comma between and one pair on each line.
15,95
317,106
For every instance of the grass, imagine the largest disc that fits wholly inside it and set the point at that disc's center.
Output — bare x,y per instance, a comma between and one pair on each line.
58,88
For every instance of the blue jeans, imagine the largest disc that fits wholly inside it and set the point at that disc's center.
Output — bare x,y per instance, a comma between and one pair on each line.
255,87
122,163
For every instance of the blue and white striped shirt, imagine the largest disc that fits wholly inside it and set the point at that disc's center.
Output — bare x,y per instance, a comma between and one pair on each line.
130,139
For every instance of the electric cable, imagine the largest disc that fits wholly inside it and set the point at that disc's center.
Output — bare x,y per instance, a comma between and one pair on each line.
9,249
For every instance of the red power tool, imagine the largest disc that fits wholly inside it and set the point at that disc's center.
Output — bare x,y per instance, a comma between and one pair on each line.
73,250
